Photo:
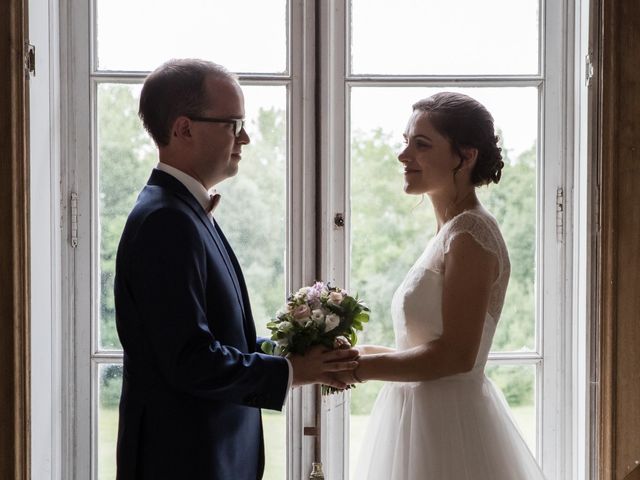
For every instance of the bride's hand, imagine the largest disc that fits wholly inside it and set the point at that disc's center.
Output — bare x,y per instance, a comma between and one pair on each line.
345,378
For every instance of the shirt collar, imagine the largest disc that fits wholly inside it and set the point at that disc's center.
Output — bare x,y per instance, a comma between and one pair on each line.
201,194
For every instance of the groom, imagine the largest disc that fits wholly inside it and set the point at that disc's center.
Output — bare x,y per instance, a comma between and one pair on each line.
194,380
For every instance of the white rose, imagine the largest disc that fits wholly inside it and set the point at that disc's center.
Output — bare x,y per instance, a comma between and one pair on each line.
303,291
285,327
317,316
331,322
335,298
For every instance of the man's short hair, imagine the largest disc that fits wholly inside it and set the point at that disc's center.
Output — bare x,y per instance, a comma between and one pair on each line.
176,88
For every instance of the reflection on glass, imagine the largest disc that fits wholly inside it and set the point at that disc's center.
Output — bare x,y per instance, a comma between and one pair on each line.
444,37
109,387
390,229
126,156
242,35
518,385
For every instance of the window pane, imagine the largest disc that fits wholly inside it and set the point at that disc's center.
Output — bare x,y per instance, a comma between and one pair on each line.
242,35
252,213
110,378
518,385
444,37
126,156
390,229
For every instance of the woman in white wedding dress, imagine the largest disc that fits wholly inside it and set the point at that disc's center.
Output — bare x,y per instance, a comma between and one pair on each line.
439,417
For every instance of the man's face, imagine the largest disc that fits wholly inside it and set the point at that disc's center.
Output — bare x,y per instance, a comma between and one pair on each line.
216,149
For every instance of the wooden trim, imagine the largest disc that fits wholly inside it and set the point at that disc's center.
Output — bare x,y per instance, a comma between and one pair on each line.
14,245
618,418
607,101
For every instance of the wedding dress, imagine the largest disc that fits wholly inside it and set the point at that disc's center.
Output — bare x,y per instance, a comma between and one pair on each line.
457,427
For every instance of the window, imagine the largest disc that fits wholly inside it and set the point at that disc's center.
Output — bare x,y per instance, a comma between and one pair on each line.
372,59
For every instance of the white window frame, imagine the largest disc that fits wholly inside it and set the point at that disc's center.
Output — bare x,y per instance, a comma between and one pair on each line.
554,353
563,435
82,267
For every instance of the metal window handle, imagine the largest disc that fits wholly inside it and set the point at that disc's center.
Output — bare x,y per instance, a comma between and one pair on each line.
338,220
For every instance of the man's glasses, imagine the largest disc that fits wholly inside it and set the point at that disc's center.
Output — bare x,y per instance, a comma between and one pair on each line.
238,123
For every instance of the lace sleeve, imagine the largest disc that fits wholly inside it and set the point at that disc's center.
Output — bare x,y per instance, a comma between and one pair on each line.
483,230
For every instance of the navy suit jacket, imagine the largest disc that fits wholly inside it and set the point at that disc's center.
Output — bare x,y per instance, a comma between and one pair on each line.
193,383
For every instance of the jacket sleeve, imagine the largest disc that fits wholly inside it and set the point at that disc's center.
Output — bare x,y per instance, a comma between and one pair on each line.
168,284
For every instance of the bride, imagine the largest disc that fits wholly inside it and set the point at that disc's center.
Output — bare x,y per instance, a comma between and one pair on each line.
439,417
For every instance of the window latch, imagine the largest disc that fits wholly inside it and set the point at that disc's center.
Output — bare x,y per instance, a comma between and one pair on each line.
74,219
560,214
30,60
588,70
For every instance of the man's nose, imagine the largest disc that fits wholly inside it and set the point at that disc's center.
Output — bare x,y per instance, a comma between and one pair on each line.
243,138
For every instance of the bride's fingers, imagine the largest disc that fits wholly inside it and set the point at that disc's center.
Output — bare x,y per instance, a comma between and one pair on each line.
332,382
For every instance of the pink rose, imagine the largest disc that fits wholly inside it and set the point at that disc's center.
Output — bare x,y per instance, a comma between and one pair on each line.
301,311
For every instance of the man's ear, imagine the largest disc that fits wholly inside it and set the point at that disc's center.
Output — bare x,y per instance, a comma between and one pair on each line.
182,128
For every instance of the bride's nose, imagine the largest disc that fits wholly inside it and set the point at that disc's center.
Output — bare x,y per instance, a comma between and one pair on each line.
403,157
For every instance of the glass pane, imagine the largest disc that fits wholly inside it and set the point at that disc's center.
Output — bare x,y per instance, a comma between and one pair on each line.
444,37
110,386
518,385
390,229
252,213
274,425
242,35
126,156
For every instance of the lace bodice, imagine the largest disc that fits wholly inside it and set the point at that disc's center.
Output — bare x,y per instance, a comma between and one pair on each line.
417,303
456,426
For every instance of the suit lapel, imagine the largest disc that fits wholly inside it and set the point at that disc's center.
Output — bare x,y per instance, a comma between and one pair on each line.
167,181
249,326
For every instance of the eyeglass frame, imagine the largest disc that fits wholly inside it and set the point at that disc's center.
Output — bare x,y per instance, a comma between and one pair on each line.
238,123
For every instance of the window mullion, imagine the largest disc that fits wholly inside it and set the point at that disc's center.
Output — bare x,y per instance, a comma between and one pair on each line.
554,287
334,196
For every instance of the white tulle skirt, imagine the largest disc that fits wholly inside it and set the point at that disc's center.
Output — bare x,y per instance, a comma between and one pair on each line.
448,429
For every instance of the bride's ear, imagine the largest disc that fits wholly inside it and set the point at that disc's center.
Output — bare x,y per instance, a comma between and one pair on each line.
468,158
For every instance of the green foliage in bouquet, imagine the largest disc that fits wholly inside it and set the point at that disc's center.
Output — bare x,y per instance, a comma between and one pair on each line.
316,315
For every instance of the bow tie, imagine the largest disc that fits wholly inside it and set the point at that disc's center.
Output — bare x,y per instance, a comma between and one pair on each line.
214,200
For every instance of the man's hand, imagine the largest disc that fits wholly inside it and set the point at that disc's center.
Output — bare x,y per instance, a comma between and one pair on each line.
318,365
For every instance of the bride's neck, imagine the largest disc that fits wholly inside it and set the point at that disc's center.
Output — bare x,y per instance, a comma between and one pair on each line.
446,206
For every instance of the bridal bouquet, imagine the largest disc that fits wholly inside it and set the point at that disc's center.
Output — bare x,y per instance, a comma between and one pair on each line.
316,315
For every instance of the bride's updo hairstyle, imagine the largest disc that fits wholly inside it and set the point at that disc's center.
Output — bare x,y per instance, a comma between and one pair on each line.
467,124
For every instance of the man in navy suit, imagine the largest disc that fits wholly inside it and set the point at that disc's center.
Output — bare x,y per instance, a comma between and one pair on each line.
194,378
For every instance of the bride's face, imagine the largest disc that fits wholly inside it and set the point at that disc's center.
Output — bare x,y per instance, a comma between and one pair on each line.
428,159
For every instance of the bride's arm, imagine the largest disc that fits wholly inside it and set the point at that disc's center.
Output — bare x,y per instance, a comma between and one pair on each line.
469,273
373,349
